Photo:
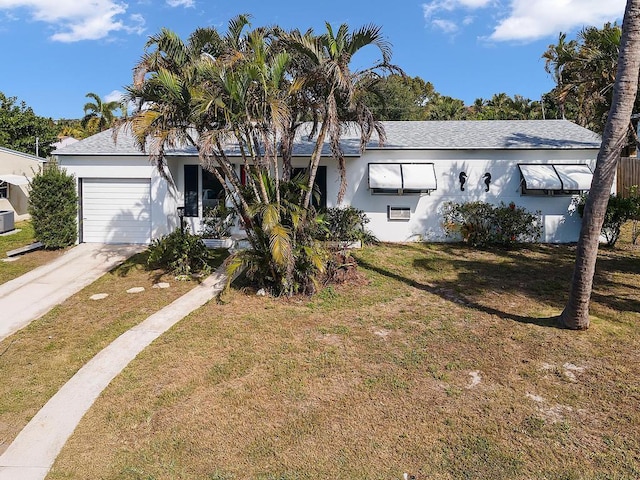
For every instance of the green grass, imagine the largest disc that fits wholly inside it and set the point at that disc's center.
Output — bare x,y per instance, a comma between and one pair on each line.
376,378
25,263
36,361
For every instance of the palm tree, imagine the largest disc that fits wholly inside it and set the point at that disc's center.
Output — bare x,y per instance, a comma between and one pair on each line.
584,70
252,88
444,107
98,115
625,89
325,72
556,58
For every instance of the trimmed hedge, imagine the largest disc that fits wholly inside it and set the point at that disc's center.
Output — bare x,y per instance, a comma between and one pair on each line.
53,205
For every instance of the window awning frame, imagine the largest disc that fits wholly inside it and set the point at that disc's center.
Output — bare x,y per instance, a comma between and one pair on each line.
399,178
14,179
555,177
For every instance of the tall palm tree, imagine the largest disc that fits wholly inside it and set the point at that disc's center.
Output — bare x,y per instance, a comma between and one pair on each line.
625,89
584,70
98,115
556,58
252,88
325,71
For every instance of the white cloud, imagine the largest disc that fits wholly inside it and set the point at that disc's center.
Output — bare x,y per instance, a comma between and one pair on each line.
434,10
530,20
447,26
436,6
114,96
181,3
78,20
522,20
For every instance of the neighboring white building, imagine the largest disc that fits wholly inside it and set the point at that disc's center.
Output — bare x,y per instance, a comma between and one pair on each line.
16,170
540,165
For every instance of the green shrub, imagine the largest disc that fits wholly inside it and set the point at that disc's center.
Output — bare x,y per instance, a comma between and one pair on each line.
483,224
180,252
53,205
346,224
634,195
619,210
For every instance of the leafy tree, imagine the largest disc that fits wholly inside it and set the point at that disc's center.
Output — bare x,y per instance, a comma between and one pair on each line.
398,97
98,115
446,108
21,128
70,127
53,205
576,312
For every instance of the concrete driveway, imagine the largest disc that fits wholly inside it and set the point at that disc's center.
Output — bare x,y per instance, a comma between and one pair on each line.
30,296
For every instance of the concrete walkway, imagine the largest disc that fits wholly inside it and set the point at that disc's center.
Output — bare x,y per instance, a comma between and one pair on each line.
36,447
30,296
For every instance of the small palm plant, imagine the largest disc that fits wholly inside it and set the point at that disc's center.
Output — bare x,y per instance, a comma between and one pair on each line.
286,258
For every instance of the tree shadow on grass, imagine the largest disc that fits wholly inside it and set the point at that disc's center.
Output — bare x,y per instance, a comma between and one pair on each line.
446,291
536,273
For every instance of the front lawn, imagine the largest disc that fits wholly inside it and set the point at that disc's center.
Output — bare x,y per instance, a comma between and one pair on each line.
13,269
440,361
36,361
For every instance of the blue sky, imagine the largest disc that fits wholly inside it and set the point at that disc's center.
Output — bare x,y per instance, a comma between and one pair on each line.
55,51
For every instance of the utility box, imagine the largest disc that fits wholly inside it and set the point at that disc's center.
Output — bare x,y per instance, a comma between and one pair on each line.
6,221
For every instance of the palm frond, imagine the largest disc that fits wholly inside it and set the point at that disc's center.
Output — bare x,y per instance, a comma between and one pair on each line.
280,245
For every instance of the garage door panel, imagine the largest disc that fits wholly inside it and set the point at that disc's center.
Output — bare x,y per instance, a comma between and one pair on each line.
116,210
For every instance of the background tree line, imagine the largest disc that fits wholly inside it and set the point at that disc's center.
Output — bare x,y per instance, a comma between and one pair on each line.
583,68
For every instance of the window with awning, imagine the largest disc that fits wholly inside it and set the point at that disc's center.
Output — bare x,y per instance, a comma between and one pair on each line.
14,179
555,179
11,179
402,178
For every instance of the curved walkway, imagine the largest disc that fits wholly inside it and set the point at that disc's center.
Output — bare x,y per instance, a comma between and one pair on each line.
30,296
36,447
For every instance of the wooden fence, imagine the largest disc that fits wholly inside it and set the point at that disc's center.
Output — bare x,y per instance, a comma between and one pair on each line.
628,174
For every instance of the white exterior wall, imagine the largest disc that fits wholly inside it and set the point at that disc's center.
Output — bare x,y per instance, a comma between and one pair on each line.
559,224
163,199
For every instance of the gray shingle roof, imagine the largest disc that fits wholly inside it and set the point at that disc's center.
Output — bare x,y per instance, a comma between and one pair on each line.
429,135
490,134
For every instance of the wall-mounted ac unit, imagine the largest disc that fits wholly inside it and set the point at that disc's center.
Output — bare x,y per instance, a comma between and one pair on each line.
398,213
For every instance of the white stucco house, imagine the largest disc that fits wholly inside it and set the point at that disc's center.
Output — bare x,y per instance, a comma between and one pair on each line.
16,169
540,165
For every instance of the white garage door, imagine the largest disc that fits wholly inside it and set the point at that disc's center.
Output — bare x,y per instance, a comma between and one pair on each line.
116,210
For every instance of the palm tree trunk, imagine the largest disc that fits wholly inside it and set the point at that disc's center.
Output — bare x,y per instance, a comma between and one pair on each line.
315,161
576,311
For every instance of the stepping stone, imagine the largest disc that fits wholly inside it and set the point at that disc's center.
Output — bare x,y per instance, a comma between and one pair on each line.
161,285
12,259
135,290
99,296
